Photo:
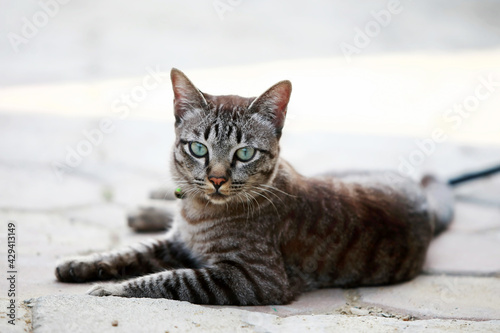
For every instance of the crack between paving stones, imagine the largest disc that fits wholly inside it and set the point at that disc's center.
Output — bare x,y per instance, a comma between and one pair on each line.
28,305
75,172
400,314
53,211
61,210
461,274
476,200
484,231
355,307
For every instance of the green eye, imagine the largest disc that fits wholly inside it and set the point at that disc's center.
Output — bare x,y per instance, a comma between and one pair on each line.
198,149
245,154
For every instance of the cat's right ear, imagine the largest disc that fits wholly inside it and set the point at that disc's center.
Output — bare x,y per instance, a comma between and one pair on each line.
186,96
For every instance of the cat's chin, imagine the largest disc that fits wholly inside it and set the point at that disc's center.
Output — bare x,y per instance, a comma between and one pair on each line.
217,198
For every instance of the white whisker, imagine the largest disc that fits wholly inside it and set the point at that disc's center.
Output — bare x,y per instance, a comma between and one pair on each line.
278,190
270,201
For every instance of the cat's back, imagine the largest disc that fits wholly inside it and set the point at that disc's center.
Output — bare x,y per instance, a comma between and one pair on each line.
358,196
384,187
354,229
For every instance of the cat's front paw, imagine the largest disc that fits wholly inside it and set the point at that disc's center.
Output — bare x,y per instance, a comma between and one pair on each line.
83,269
114,289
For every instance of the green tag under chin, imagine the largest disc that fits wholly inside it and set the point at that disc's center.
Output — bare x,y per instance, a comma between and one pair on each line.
178,193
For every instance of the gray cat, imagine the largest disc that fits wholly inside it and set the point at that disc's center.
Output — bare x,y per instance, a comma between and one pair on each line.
252,230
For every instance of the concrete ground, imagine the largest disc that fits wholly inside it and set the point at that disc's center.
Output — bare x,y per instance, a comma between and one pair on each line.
62,211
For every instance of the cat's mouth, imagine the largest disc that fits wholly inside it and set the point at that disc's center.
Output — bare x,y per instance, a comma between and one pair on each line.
218,193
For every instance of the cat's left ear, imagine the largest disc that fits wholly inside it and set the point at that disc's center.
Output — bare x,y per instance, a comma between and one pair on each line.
272,104
186,95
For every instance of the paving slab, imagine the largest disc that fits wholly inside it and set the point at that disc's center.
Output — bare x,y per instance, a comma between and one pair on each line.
45,238
426,297
112,314
41,191
458,253
472,217
482,191
118,169
41,240
325,301
471,246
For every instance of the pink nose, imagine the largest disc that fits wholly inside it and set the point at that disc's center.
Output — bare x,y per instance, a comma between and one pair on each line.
217,181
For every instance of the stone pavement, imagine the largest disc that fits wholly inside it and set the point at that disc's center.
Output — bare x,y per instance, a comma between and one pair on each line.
84,210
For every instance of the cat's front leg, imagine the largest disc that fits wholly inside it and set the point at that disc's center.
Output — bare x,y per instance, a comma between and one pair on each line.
141,259
109,289
86,268
227,283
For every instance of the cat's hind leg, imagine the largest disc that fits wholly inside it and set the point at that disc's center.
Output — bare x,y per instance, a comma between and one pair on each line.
153,218
441,202
164,193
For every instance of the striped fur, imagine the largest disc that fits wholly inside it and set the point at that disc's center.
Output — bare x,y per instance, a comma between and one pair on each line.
267,233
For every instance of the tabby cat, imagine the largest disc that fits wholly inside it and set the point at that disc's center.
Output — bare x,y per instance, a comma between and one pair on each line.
252,230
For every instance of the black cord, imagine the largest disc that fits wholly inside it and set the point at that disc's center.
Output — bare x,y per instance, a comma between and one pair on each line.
473,175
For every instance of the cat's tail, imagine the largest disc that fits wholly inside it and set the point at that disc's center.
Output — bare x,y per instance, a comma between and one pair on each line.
440,195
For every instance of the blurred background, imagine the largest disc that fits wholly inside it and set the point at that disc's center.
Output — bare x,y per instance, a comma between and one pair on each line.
379,67
86,120
385,83
95,40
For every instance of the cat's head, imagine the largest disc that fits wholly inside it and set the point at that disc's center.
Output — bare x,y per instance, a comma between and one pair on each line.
227,147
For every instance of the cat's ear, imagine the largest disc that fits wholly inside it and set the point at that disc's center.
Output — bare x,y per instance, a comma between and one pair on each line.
186,96
273,103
